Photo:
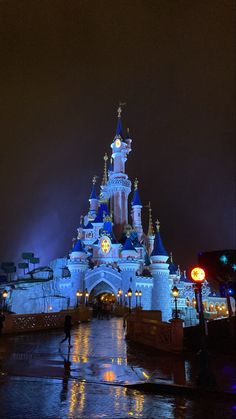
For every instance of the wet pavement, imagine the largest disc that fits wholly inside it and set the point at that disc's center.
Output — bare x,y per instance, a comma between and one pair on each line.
91,380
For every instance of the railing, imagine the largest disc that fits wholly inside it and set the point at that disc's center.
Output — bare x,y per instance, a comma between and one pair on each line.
16,323
153,332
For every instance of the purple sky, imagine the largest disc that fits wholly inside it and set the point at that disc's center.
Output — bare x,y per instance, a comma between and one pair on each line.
65,65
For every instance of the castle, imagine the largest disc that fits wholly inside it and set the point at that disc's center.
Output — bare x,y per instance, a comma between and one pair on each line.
109,255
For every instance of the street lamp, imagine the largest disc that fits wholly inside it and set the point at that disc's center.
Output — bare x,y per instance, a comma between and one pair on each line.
140,296
129,294
126,296
120,294
4,296
198,276
136,295
175,293
86,296
78,295
205,376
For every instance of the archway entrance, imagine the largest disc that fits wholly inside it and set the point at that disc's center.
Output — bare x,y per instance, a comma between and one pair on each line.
101,292
103,299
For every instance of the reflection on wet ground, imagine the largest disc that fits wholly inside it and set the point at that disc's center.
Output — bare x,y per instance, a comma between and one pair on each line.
40,381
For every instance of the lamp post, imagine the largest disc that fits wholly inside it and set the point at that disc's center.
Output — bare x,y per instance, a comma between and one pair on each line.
205,376
198,276
78,295
77,298
126,296
4,296
86,296
129,294
136,295
140,296
175,293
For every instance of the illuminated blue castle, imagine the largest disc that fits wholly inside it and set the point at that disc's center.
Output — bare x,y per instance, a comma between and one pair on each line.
111,255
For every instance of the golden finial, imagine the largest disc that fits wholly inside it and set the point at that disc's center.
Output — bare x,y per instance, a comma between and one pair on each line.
171,257
104,180
157,225
150,224
73,241
94,179
81,220
119,110
136,184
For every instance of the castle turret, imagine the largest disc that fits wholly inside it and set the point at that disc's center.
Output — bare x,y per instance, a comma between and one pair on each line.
161,298
77,266
119,186
136,211
93,200
151,233
129,264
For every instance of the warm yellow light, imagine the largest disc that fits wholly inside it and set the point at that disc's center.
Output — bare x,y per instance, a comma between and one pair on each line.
175,292
129,293
198,274
140,293
109,376
5,294
136,293
118,143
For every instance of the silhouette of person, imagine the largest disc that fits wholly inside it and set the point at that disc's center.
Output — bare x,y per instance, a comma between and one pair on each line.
67,365
67,329
2,318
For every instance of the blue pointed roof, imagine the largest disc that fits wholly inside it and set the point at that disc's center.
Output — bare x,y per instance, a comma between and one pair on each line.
108,229
93,194
103,210
88,226
119,128
136,199
158,249
128,245
78,247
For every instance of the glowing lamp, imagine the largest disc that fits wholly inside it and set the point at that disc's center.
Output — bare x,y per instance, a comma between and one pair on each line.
129,293
175,292
140,293
5,294
136,293
198,275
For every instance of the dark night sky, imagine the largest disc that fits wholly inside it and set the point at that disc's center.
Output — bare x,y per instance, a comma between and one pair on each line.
65,65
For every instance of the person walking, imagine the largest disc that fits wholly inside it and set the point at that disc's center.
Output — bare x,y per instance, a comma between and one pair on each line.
2,318
67,330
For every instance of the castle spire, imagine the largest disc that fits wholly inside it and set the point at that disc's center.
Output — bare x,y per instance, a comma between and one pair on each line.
119,124
150,224
158,248
104,180
136,198
158,225
93,194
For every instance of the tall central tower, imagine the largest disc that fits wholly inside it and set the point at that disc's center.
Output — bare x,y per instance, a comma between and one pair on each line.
118,185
